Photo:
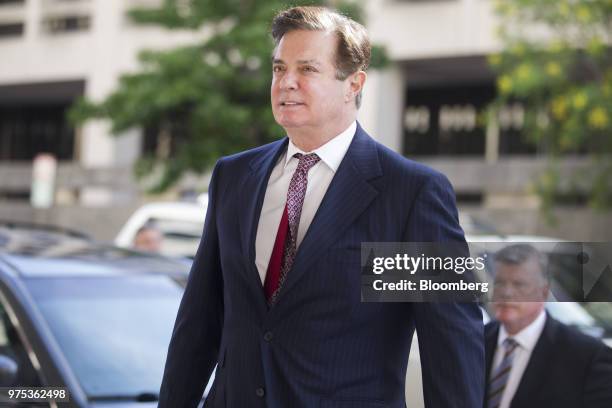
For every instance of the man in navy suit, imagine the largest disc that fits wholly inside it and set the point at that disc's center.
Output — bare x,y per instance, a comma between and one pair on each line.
533,360
273,297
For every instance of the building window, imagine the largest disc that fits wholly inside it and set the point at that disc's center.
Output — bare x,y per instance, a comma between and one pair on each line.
3,2
457,118
65,24
442,120
512,137
28,130
416,119
11,30
33,119
511,117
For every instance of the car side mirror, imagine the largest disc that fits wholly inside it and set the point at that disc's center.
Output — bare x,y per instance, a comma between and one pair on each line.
8,371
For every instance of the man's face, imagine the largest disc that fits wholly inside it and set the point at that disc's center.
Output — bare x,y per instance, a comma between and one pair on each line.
148,240
519,294
306,96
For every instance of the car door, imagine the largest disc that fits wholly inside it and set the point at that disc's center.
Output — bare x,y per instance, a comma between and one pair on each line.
16,366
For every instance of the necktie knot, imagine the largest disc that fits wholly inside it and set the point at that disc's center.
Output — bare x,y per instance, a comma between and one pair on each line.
306,161
510,344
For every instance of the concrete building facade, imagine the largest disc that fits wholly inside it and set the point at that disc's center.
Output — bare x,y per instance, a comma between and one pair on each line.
425,105
57,51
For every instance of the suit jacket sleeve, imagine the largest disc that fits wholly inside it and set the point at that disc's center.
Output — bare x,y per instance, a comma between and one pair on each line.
194,346
451,335
598,381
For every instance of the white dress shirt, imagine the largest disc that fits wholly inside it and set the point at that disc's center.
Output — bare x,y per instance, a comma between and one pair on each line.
526,339
319,178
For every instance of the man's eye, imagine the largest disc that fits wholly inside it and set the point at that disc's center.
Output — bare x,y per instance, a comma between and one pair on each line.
308,69
277,68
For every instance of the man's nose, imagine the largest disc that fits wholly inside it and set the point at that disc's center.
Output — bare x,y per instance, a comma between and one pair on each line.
289,81
504,292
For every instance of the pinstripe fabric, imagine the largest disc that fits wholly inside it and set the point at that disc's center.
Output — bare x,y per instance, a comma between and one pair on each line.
319,346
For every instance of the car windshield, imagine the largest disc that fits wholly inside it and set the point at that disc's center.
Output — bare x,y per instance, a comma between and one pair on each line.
114,332
181,238
569,276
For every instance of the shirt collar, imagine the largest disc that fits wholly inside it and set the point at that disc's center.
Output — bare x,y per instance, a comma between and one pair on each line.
528,337
332,152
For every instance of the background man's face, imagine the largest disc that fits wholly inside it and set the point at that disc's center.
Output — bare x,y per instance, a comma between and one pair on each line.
148,240
519,294
305,92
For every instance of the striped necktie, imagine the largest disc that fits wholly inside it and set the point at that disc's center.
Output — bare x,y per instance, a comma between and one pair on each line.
499,377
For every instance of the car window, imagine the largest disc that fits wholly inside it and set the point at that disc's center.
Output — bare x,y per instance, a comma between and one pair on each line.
602,313
181,238
114,332
12,347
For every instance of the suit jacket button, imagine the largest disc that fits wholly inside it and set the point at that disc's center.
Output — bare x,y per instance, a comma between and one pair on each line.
268,336
260,392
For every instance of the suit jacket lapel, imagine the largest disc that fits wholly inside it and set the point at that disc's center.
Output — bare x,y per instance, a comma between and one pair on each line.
539,363
348,195
252,194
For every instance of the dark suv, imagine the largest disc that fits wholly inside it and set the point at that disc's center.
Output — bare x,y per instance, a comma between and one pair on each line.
86,316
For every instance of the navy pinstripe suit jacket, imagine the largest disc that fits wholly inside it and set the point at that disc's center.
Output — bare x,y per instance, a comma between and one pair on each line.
319,346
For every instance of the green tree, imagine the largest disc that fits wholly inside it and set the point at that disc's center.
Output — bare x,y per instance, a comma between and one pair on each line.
207,99
556,60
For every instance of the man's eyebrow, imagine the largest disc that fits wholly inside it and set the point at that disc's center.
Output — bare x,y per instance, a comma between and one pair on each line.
301,62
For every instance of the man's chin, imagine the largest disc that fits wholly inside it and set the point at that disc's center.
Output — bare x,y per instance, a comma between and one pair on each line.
505,311
289,123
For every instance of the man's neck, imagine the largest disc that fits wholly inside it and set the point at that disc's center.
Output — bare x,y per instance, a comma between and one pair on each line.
513,330
308,140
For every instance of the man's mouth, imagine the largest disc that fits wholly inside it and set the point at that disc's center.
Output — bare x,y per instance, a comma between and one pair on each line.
505,304
290,103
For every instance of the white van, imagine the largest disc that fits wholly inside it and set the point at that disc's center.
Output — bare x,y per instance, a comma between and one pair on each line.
181,224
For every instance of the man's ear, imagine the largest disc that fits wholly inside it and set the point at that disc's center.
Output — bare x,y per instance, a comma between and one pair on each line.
356,83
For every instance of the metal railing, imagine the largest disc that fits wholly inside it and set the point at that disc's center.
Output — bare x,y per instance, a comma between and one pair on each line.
508,175
17,177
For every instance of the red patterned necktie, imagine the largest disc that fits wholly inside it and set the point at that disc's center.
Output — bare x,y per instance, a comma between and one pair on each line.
285,245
